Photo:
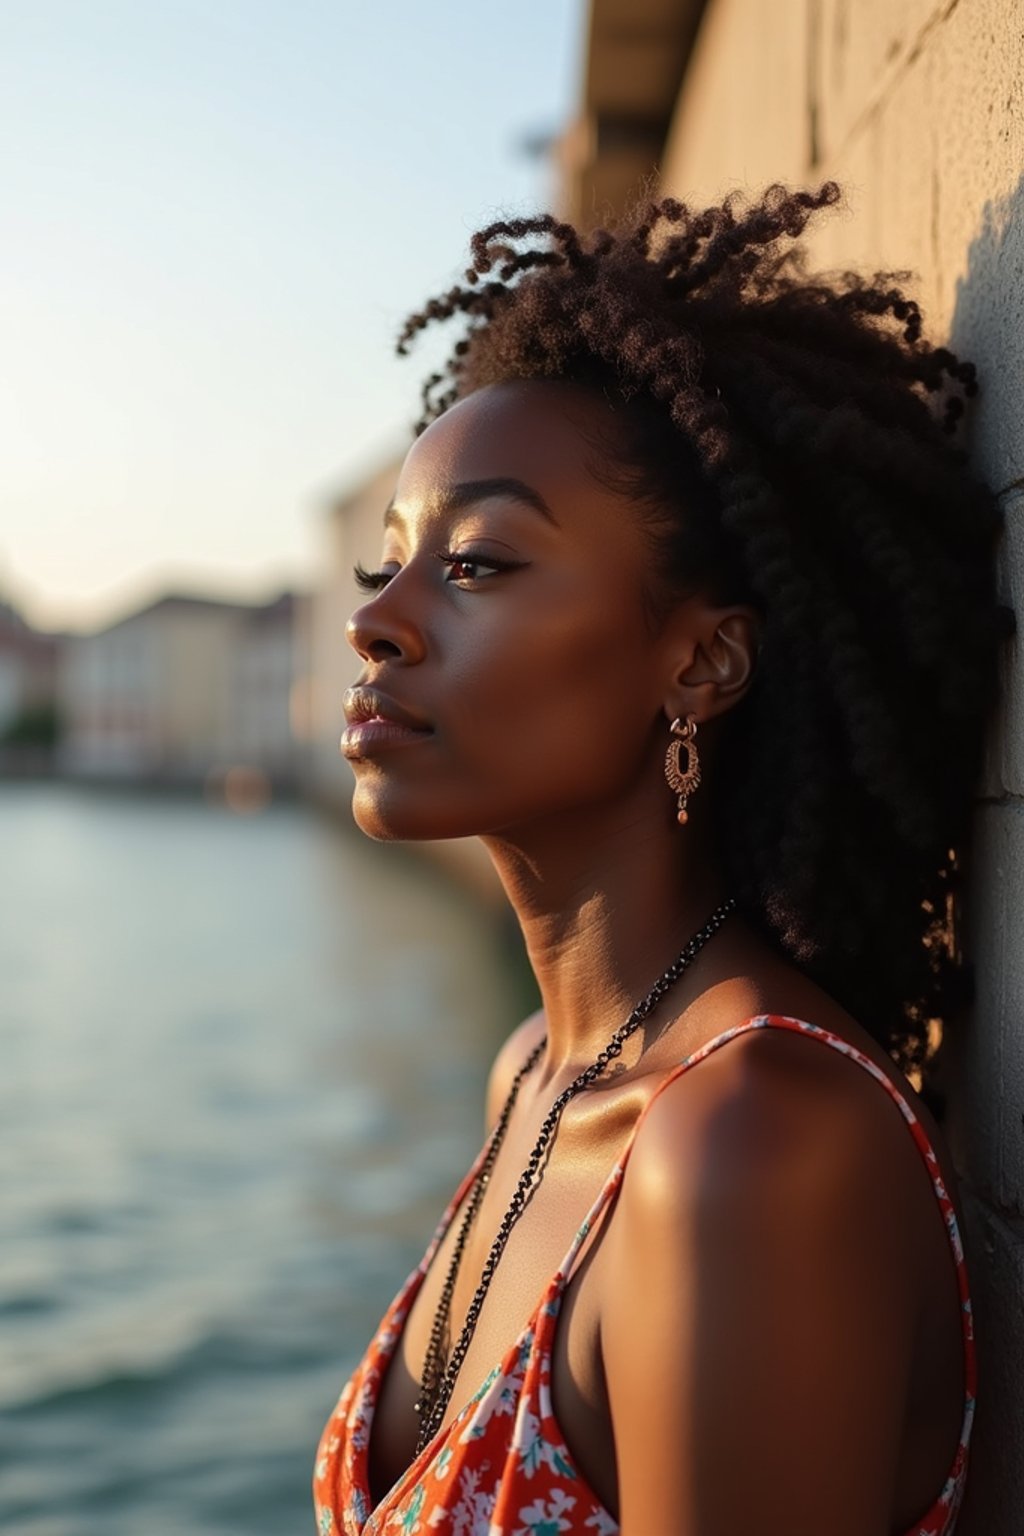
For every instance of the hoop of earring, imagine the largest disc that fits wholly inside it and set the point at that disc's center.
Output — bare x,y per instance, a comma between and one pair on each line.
683,783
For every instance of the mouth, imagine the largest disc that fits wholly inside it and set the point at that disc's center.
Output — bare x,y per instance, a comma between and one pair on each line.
363,704
376,722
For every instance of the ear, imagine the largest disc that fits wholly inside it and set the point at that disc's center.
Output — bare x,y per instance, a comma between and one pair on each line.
715,664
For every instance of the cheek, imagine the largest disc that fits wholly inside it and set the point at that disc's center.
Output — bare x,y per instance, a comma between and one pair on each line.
537,714
566,698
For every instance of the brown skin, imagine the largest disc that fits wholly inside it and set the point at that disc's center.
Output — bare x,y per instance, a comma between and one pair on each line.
765,1332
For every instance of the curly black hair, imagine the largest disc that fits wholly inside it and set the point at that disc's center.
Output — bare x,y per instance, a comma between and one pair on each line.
791,442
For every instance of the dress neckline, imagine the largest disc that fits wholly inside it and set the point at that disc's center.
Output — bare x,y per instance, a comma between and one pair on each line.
390,1334
546,1310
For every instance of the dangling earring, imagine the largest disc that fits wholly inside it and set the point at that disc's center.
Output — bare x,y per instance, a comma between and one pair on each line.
683,783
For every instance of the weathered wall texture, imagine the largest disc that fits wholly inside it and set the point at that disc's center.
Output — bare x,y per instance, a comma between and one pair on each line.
917,108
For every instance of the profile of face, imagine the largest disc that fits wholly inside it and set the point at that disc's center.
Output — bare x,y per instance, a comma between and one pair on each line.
511,670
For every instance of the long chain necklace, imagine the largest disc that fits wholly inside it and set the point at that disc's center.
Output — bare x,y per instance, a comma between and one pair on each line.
439,1379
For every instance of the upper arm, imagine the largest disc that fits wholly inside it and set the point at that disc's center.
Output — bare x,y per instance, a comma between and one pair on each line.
758,1330
508,1061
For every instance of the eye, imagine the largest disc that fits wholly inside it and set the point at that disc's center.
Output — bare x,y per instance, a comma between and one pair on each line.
370,581
466,567
470,567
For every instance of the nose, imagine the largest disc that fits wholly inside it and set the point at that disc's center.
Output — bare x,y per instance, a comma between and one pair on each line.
379,631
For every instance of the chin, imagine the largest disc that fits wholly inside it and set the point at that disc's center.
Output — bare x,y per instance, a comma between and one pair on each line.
371,819
392,817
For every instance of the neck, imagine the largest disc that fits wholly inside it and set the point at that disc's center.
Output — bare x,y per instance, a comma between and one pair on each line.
605,906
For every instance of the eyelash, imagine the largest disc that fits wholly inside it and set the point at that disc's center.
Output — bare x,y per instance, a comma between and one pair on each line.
374,581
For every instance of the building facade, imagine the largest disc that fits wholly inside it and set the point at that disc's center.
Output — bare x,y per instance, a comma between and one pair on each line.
184,691
28,684
28,670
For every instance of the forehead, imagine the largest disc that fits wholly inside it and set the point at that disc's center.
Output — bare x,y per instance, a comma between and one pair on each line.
540,431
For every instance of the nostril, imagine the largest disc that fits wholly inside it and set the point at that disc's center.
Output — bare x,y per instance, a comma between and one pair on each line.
380,650
371,648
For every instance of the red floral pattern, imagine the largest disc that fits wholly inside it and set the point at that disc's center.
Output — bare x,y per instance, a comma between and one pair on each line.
501,1467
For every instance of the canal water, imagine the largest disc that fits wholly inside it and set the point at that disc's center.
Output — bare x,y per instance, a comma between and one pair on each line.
241,1070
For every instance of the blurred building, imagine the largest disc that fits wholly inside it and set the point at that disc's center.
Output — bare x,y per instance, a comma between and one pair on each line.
917,109
265,724
28,683
186,690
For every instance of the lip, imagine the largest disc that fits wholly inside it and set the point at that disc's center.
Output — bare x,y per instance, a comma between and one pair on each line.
362,703
371,737
376,723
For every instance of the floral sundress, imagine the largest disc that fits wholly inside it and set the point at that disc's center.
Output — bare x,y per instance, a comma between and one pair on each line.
502,1467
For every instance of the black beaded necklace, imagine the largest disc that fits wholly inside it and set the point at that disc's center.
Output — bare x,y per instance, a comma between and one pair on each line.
439,1379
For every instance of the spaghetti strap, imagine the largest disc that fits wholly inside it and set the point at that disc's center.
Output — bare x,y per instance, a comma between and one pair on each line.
568,1265
504,1456
836,1042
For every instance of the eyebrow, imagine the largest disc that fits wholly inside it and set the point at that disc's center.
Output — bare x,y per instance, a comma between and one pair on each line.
452,498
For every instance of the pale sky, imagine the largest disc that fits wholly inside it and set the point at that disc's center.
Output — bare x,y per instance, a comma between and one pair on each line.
214,215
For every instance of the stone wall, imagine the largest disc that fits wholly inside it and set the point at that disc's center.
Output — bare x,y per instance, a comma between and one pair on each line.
917,108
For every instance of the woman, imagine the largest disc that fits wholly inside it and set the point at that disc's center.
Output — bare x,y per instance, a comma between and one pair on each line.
686,609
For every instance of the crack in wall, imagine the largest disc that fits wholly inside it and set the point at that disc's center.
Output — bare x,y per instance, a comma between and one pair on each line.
890,84
813,84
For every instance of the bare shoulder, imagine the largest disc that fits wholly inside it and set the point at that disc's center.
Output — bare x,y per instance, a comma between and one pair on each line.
759,1296
509,1059
774,1104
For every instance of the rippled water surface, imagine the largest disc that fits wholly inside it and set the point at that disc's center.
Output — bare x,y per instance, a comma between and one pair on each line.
242,1062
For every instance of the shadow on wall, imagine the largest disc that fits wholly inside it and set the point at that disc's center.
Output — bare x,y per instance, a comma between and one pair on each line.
988,327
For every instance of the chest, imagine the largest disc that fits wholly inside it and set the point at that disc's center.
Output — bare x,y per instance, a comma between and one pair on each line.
574,1177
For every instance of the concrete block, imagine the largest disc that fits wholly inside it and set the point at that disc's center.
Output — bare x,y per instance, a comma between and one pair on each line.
742,119
983,1067
847,235
1004,759
860,50
977,69
902,191
995,1479
944,198
932,154
933,174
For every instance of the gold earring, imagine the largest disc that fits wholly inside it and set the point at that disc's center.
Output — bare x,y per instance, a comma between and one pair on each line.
683,783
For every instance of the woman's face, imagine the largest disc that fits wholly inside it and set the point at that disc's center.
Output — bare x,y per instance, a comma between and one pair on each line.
508,629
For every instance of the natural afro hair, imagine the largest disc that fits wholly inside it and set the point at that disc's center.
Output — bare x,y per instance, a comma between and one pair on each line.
790,442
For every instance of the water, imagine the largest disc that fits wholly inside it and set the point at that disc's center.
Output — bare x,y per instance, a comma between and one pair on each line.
241,1069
